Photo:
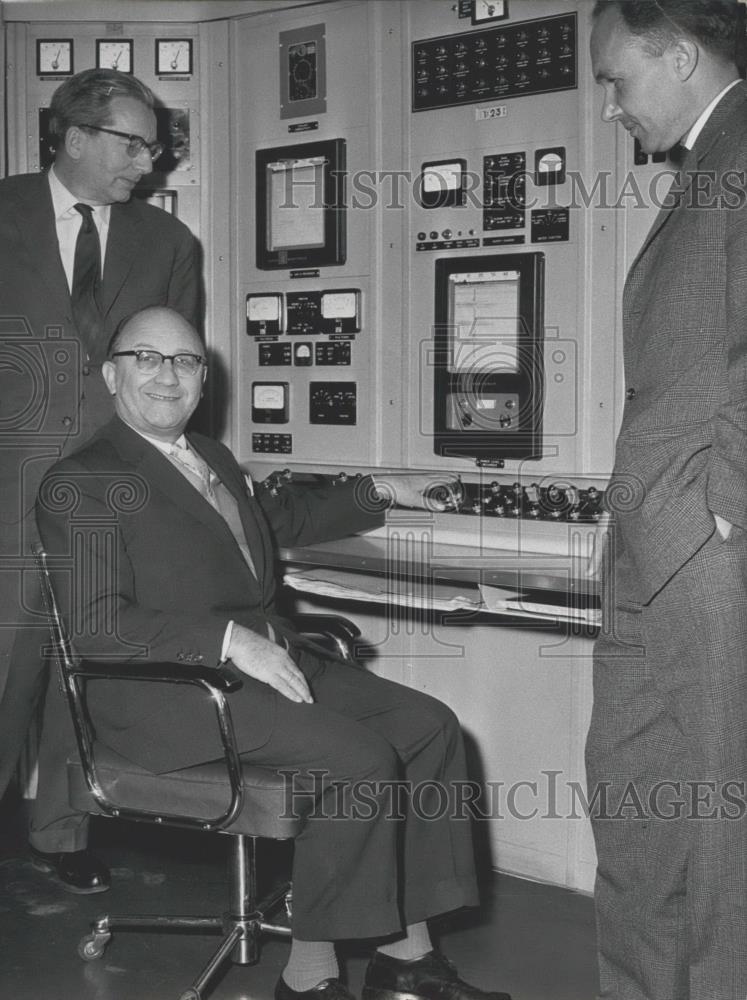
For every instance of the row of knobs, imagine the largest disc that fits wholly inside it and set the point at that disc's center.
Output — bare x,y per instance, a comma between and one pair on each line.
554,503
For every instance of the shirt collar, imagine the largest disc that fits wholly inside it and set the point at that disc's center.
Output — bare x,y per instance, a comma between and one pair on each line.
63,200
692,135
164,446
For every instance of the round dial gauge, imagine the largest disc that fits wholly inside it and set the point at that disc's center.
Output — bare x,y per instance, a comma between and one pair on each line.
114,54
54,57
173,56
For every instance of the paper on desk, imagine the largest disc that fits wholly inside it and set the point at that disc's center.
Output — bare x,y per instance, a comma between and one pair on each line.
499,599
383,589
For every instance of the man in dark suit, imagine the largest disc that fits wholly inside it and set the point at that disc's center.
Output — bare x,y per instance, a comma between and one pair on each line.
172,555
77,254
667,747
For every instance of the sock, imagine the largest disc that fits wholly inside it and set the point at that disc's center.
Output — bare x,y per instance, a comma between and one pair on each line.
309,963
415,943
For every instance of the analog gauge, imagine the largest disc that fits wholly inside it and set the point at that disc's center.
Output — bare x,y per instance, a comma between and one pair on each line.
489,10
173,56
340,305
269,397
262,308
114,54
270,402
264,314
54,56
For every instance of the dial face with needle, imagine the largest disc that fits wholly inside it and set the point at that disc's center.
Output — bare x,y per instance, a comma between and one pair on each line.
54,57
114,54
173,56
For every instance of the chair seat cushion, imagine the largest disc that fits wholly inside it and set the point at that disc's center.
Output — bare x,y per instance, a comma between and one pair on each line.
201,792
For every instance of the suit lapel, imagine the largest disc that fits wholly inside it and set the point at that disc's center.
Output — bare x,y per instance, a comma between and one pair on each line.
122,247
38,232
160,474
715,129
251,518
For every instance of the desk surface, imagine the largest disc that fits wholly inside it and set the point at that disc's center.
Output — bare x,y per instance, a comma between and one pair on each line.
530,571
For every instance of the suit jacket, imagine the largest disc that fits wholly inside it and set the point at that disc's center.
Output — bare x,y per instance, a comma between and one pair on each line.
682,449
152,573
150,259
52,397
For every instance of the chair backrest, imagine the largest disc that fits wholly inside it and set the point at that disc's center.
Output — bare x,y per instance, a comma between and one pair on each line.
72,674
65,659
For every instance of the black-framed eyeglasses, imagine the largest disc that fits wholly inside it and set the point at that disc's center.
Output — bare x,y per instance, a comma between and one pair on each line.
151,362
135,143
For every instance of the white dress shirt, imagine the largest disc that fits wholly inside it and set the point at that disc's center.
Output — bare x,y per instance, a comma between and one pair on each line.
68,221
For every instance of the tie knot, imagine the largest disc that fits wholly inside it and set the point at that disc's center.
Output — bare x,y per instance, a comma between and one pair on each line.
87,212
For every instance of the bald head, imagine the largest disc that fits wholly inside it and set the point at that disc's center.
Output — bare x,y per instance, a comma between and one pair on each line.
155,371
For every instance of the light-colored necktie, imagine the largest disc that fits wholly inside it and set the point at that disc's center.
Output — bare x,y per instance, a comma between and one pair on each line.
197,470
199,473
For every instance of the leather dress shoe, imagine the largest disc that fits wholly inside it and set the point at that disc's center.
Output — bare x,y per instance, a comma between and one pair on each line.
75,871
431,977
328,989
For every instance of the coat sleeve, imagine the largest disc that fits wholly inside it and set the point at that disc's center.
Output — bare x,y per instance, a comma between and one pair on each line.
302,514
727,467
185,282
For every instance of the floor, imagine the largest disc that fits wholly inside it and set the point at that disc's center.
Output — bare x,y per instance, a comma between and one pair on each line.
534,941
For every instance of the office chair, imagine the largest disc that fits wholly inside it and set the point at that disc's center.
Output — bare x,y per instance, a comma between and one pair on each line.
226,796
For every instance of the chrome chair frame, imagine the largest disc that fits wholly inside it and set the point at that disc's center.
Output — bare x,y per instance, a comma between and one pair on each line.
245,921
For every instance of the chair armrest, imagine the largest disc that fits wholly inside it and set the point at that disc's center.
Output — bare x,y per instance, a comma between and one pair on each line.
217,681
224,677
340,632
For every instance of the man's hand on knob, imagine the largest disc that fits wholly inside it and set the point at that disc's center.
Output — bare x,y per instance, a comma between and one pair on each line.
432,492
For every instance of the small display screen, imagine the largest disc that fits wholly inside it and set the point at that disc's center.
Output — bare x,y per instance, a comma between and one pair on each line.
268,397
442,177
295,210
484,322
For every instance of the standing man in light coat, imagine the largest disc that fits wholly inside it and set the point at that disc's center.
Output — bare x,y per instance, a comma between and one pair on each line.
667,747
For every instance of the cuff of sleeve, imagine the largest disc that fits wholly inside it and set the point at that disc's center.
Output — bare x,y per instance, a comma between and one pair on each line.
382,496
226,642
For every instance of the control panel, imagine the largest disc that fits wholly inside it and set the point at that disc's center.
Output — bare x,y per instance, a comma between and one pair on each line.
558,502
296,329
335,313
437,312
532,57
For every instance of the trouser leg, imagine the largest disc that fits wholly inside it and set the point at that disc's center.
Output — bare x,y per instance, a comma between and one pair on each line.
55,825
24,685
639,907
668,743
360,870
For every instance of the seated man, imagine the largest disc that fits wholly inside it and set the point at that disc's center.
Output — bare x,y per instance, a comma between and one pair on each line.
173,560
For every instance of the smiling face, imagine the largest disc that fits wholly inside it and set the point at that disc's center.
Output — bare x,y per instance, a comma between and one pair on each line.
642,91
157,404
96,167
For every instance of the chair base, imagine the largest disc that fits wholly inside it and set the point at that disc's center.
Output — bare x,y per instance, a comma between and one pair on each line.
242,927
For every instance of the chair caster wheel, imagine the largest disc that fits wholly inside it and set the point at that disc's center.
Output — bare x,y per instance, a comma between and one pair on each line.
92,946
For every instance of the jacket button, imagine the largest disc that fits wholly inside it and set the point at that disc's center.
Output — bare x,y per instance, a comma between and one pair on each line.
630,393
86,370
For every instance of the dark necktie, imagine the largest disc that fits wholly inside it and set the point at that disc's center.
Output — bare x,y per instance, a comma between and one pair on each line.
87,279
